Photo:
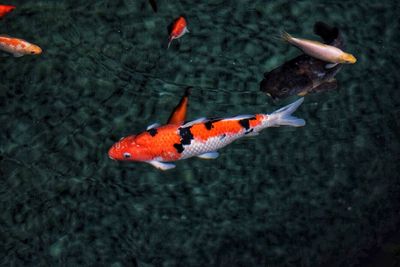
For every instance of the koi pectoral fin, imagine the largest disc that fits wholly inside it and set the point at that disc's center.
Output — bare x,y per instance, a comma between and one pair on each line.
161,165
250,134
303,93
209,155
326,86
331,65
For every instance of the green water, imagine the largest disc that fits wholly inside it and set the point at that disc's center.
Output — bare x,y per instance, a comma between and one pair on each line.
326,194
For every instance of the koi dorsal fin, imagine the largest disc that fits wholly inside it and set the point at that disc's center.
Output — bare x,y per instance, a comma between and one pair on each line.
178,115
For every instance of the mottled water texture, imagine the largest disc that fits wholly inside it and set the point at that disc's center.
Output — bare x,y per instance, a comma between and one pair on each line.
323,195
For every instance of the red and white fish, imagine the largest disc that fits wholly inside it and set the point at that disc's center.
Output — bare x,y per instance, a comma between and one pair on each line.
18,47
5,9
178,29
177,140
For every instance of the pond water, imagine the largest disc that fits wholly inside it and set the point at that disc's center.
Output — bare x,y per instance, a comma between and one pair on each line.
326,194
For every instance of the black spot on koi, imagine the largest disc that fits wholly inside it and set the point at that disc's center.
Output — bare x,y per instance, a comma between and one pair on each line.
245,123
179,148
209,124
186,135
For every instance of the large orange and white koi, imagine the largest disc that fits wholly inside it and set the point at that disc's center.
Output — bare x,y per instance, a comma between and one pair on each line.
177,140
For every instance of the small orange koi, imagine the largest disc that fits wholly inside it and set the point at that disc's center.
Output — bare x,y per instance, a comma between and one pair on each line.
4,9
18,47
178,29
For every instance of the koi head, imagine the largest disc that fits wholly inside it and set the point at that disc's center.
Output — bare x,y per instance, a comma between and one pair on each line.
126,149
178,26
348,58
34,50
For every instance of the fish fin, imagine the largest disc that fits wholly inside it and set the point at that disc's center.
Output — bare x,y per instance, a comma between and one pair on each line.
331,65
152,126
283,116
153,4
326,86
330,35
161,165
286,37
187,30
170,39
326,32
209,155
178,115
303,93
190,123
252,134
17,54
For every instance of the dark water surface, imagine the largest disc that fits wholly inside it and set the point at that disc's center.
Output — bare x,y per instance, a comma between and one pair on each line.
326,194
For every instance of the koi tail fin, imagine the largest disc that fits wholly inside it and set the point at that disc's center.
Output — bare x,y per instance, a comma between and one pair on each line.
283,116
286,37
169,41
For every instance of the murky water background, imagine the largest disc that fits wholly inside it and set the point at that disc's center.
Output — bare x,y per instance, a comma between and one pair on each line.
323,195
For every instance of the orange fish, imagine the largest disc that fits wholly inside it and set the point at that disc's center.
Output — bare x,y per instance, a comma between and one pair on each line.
178,29
18,47
4,9
177,140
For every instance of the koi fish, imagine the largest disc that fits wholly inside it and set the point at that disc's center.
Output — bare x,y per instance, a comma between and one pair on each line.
177,29
18,47
321,51
304,74
4,9
201,138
